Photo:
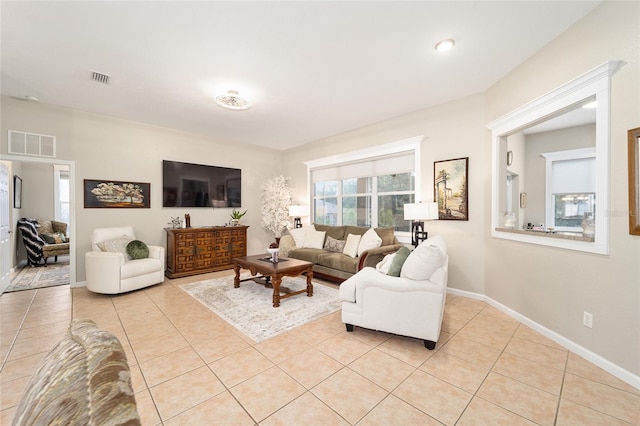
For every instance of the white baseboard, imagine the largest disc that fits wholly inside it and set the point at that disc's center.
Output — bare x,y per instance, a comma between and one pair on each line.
605,364
79,284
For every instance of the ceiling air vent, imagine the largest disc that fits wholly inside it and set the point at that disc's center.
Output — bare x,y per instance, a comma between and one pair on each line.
100,77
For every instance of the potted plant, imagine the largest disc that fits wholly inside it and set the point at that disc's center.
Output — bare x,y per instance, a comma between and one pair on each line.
276,199
236,215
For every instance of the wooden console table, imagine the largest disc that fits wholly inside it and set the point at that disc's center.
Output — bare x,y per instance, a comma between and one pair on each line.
199,250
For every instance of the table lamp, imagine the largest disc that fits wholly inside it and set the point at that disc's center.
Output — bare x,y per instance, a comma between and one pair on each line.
296,212
418,213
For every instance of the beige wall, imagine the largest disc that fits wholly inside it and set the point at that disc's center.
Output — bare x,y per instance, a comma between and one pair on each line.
535,165
107,148
554,286
550,286
450,131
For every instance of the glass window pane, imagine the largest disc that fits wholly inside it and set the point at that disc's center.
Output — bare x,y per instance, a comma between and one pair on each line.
326,189
325,211
356,211
571,208
391,211
396,182
357,186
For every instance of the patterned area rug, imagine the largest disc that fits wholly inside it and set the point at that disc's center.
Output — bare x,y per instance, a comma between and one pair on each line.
249,308
30,278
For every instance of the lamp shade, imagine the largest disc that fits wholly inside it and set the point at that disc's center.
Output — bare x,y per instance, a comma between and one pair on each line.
421,211
298,211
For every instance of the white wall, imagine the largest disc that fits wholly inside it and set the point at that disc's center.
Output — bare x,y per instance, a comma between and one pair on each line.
553,287
108,148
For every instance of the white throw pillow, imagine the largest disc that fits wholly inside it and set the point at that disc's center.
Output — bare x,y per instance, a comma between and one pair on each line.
314,239
385,263
351,246
117,245
422,262
369,240
299,234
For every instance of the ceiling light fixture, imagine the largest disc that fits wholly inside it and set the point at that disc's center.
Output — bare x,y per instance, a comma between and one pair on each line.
444,45
26,98
233,100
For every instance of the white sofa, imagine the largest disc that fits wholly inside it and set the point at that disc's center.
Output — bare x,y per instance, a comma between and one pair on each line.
409,305
112,272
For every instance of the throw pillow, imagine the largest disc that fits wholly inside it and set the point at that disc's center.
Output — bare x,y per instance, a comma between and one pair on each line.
333,245
314,239
398,261
299,234
385,263
136,249
368,241
117,245
351,245
56,238
422,262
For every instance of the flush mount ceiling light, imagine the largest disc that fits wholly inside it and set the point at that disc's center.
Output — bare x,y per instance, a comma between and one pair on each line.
233,100
26,98
444,45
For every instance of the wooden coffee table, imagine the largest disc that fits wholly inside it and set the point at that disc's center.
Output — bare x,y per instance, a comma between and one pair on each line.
273,273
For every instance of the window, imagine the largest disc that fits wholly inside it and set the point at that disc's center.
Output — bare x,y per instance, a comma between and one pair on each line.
61,193
570,188
367,188
373,202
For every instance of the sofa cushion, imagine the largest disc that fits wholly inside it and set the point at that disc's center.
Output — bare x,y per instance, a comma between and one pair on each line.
84,379
351,245
334,246
314,239
368,241
355,230
422,262
398,261
308,254
336,232
45,227
388,236
55,238
339,261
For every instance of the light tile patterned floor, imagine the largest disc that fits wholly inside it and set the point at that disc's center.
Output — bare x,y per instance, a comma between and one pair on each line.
191,367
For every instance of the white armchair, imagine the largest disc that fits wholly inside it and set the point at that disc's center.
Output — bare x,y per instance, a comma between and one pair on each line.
409,305
111,271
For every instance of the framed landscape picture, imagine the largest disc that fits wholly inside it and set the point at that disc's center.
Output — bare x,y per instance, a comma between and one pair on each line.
116,194
450,188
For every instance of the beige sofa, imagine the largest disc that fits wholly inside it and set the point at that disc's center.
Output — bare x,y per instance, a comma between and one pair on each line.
337,266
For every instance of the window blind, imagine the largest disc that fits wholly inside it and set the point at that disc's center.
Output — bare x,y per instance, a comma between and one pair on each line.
402,162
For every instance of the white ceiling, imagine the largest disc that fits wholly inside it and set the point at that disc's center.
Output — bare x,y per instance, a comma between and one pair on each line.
312,69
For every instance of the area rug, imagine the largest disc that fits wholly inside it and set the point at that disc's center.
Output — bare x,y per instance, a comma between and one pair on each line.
30,278
249,308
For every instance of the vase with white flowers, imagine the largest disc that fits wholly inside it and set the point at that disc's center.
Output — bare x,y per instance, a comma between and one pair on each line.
276,199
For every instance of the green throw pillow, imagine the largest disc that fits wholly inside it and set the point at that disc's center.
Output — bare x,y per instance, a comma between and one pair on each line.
56,238
136,249
398,261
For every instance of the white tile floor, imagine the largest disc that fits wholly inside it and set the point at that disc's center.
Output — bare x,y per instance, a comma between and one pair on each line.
190,367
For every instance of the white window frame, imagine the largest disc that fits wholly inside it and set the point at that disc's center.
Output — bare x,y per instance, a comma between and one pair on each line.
411,144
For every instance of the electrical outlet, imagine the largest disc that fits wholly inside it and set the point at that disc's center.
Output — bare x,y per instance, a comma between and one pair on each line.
587,319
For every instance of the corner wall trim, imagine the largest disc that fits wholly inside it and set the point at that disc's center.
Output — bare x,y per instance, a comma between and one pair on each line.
605,364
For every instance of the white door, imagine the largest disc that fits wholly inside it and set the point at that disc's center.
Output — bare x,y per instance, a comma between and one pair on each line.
5,244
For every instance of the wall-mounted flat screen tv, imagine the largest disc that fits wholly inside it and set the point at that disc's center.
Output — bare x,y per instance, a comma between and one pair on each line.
199,185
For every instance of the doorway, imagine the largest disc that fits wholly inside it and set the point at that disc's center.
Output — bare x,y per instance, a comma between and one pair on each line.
16,163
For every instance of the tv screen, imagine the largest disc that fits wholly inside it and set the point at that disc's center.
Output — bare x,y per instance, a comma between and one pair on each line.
199,185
